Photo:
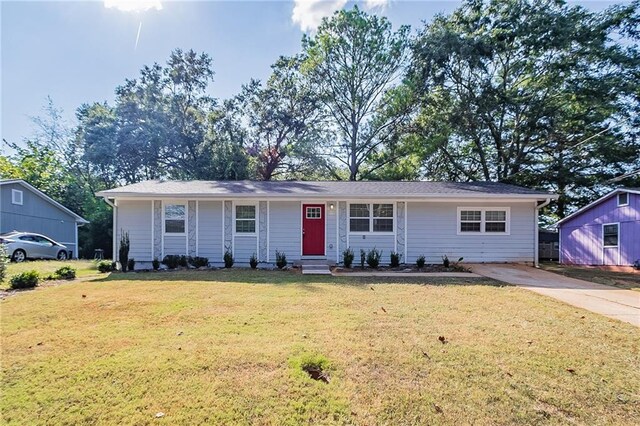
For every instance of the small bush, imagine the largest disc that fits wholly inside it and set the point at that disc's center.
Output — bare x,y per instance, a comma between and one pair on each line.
27,279
347,258
253,261
131,264
123,253
171,261
183,261
281,259
4,259
155,264
395,259
420,261
105,266
228,259
65,273
445,261
363,258
198,262
373,258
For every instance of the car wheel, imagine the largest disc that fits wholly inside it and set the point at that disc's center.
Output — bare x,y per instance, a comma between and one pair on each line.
19,256
62,255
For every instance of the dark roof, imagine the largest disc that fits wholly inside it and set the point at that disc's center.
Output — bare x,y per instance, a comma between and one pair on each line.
310,189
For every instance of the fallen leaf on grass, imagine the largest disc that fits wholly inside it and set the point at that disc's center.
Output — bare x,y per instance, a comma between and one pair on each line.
438,409
443,340
571,370
383,309
371,288
160,414
84,295
426,355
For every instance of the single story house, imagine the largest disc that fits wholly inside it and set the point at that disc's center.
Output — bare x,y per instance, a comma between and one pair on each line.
25,208
480,221
605,232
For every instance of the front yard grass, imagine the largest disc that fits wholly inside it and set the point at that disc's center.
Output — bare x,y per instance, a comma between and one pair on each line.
84,268
625,280
228,347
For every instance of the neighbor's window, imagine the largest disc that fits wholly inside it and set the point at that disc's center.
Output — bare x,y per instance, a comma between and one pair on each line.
623,199
174,218
483,220
371,218
246,219
16,197
610,235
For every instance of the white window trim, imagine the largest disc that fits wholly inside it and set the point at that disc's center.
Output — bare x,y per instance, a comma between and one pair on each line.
306,212
233,216
186,219
371,217
617,224
483,211
15,192
618,200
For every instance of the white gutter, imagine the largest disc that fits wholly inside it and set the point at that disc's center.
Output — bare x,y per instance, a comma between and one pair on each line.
536,262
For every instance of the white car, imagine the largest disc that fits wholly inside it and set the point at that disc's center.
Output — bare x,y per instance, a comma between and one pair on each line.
26,245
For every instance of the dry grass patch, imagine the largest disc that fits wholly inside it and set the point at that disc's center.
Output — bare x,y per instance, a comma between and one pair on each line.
625,280
228,347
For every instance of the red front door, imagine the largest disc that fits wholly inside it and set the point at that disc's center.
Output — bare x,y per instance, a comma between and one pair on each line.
313,229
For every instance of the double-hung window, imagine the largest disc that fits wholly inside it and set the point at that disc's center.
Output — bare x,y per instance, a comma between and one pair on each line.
174,218
489,220
245,219
623,199
370,217
610,234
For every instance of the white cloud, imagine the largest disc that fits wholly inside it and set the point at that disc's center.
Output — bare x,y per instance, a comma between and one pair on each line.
308,14
133,5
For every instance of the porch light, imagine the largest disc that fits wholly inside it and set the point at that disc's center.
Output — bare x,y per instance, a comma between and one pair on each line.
331,206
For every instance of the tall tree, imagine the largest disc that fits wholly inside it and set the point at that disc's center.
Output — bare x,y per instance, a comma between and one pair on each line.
353,61
528,92
284,122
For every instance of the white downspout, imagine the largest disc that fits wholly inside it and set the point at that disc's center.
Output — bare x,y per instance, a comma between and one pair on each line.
115,226
536,232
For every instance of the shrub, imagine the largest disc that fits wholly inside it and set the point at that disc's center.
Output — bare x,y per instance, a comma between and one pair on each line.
281,259
105,266
347,258
171,261
228,258
420,261
183,261
198,262
131,264
395,259
4,259
445,261
155,264
253,261
65,273
27,279
457,267
123,252
373,258
636,265
363,258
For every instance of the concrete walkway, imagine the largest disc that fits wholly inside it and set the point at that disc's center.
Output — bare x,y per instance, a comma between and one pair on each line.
623,305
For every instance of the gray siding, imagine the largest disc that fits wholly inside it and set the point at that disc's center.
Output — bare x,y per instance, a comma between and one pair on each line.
210,230
245,246
331,225
174,244
135,217
432,232
285,219
384,243
36,215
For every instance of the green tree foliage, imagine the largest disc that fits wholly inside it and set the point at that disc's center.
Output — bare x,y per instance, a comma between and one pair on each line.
534,93
353,63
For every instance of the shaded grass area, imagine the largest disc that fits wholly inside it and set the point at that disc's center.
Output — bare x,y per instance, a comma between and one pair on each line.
229,347
625,280
84,268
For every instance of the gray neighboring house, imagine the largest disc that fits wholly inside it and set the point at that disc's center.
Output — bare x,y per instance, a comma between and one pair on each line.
25,208
480,221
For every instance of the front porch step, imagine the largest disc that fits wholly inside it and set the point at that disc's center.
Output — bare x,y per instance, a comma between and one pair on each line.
315,269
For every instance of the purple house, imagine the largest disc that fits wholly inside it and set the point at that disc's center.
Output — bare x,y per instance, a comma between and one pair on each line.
605,232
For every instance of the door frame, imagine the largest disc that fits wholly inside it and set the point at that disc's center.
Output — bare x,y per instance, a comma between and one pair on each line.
302,219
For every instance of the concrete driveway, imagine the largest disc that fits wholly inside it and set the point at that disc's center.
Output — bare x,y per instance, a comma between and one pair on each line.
623,305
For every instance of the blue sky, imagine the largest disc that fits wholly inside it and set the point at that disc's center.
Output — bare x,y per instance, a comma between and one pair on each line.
78,52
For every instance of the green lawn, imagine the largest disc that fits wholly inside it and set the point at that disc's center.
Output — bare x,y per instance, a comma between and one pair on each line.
225,347
84,268
625,280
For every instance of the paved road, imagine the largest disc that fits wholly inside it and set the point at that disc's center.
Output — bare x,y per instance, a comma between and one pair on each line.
623,305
